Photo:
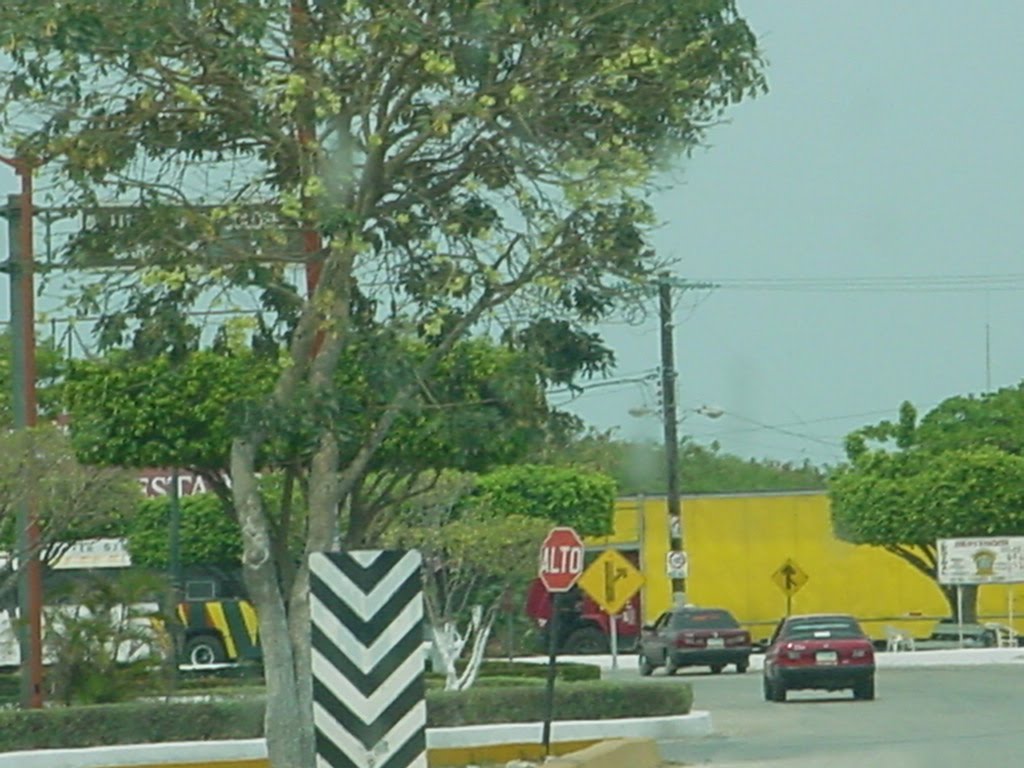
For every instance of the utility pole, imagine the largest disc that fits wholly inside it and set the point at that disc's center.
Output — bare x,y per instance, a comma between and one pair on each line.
670,423
20,268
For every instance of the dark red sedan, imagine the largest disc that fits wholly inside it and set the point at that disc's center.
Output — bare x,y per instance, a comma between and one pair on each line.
828,652
689,637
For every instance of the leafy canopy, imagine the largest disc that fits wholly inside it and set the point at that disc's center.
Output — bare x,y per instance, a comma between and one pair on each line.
956,473
582,499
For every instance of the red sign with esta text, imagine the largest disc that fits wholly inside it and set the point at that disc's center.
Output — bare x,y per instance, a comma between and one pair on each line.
561,559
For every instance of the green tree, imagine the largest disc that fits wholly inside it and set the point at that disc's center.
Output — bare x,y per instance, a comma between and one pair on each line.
437,166
471,555
906,485
582,499
208,536
73,501
50,368
640,467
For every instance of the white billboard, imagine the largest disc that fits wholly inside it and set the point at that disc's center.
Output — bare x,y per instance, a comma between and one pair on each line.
981,560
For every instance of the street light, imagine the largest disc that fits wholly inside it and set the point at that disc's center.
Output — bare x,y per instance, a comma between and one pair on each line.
20,267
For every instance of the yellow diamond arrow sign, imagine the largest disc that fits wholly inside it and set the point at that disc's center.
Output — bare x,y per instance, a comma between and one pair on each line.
611,580
790,577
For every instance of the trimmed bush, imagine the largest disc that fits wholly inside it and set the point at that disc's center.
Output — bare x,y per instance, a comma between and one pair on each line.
573,701
130,723
141,722
568,672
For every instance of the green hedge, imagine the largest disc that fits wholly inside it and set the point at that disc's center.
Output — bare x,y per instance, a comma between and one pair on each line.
567,671
140,722
130,723
573,701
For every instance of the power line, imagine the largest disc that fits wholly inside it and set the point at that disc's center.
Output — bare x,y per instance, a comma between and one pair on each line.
1013,281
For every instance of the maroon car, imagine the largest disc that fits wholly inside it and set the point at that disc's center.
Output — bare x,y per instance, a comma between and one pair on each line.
694,637
827,652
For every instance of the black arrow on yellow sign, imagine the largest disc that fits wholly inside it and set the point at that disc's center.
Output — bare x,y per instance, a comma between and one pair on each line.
612,574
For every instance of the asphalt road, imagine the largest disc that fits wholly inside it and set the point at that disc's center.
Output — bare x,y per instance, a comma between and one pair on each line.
925,717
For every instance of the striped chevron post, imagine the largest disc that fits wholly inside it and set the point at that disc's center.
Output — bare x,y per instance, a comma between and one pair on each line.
367,625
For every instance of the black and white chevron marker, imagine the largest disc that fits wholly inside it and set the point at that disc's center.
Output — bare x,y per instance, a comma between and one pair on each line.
367,624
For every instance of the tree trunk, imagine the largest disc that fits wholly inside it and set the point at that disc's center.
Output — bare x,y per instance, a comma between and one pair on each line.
287,723
970,602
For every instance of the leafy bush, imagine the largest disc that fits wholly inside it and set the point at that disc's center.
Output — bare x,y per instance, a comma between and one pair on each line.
129,723
437,682
140,722
563,495
103,641
573,701
568,671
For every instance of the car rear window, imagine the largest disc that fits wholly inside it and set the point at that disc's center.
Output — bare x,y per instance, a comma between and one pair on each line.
704,620
814,629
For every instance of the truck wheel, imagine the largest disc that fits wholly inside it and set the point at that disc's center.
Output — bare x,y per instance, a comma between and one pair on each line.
203,650
588,640
742,666
716,669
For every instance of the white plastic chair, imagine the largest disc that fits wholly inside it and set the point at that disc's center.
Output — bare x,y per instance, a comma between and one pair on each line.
897,640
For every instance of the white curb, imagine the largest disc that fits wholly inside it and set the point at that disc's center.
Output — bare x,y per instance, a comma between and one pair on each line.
201,752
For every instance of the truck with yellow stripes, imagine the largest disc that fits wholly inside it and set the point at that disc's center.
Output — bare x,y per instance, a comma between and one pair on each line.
219,631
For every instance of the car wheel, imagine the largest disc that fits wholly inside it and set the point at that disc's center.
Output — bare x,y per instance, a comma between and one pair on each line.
670,667
767,689
203,650
778,691
865,690
742,666
588,640
645,666
716,669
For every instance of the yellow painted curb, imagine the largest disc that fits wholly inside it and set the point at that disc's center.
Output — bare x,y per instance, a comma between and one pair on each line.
635,753
450,757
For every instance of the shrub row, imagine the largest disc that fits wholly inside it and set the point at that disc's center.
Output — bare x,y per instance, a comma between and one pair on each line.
139,722
567,671
601,700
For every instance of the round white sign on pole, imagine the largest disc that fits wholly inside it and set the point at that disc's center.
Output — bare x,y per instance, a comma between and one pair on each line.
677,565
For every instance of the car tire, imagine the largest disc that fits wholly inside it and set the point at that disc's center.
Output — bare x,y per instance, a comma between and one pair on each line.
767,686
716,669
670,666
646,668
742,666
204,650
865,690
588,640
778,691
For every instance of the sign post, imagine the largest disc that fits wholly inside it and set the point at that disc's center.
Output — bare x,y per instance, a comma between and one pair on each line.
611,580
790,577
561,563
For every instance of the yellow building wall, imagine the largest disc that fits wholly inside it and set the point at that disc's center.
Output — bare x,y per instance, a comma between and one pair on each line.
736,543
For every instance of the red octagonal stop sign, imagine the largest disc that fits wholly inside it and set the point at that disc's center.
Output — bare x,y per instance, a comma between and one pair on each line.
561,559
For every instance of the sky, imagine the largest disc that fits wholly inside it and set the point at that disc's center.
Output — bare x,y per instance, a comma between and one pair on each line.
888,147
862,222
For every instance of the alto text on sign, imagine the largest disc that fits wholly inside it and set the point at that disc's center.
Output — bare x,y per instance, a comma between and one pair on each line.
561,559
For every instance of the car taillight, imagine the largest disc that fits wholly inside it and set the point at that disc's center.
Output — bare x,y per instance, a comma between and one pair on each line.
860,653
684,639
794,655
